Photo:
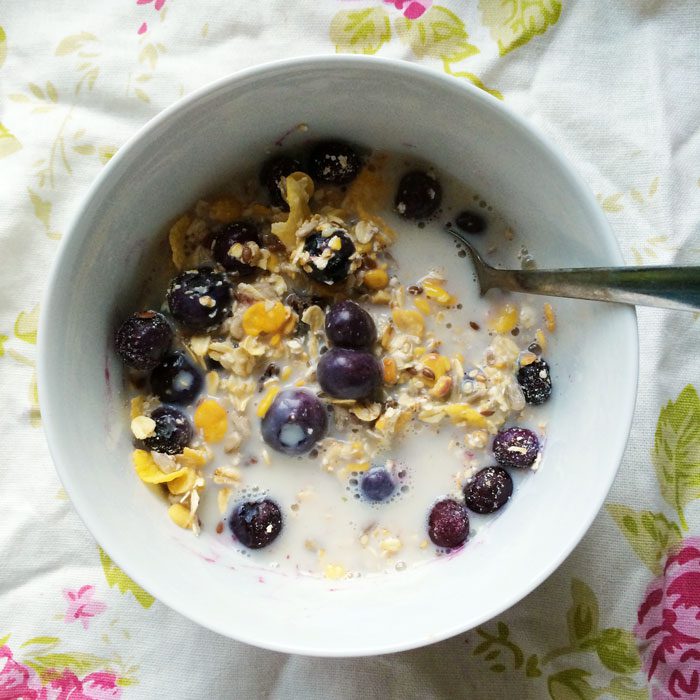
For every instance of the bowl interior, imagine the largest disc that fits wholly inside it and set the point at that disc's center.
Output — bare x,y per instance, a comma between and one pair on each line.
191,149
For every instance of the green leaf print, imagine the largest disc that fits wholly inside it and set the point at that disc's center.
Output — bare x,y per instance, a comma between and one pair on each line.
42,210
8,142
3,339
650,535
26,325
116,577
73,43
571,684
623,688
439,33
80,663
3,46
360,31
3,640
676,453
44,641
106,153
514,23
532,669
617,650
582,616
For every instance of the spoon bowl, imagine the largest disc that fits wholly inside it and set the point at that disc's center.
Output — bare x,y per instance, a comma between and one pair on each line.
667,287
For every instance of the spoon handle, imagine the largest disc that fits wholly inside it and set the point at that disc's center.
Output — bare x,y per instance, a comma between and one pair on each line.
664,286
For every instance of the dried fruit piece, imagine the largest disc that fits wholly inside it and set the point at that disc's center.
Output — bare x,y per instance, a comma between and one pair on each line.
180,515
225,210
442,388
433,290
439,365
463,413
211,418
409,322
422,305
389,370
376,279
265,317
550,318
505,320
334,571
266,401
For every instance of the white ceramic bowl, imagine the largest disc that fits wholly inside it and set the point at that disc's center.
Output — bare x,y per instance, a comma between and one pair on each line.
187,151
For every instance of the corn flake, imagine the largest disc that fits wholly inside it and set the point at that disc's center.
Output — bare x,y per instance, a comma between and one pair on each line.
211,417
149,472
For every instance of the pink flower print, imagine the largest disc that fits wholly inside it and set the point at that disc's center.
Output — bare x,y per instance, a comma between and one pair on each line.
16,680
414,8
81,606
157,6
95,686
668,626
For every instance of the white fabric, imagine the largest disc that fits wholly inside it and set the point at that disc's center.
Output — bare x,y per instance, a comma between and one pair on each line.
615,85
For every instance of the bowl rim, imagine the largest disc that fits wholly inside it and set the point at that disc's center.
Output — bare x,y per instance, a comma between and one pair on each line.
110,543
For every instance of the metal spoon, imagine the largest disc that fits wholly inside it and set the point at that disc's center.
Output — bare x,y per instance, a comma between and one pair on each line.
668,287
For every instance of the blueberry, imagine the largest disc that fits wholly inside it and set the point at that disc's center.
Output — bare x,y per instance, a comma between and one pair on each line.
348,325
344,373
334,162
536,382
418,196
176,379
143,339
516,447
377,484
470,222
236,232
271,174
336,264
295,421
199,299
173,431
488,490
256,524
448,523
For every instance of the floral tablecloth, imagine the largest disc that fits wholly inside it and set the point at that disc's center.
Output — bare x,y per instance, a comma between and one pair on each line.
615,84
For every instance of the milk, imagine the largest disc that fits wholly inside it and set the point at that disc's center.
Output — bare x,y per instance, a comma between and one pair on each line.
327,526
